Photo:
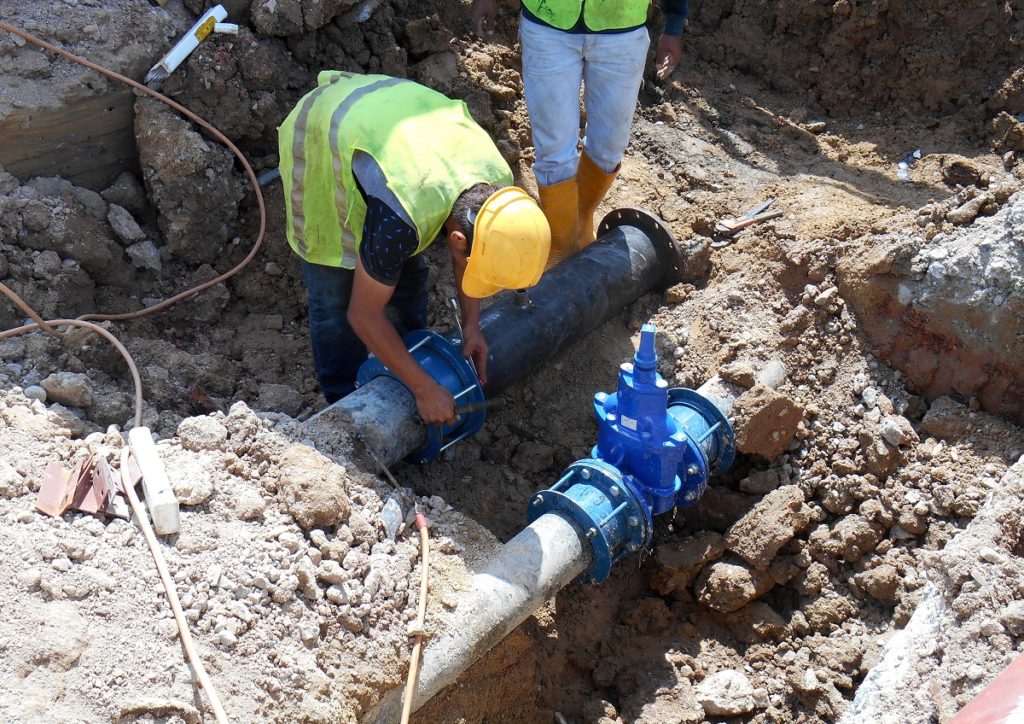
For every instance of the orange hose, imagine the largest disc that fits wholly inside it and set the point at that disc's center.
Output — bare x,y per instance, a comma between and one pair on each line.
200,121
421,616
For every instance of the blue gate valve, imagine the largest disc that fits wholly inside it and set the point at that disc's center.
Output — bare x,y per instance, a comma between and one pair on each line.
443,361
655,451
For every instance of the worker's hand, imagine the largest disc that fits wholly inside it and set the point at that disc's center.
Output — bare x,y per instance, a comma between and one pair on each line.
483,14
670,47
435,404
474,346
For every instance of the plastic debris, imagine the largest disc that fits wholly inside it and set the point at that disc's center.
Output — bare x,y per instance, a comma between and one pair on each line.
903,167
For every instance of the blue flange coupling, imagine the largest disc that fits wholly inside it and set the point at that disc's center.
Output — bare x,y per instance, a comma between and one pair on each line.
606,507
710,441
443,361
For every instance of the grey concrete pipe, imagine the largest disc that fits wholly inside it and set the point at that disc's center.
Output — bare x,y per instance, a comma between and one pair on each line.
545,557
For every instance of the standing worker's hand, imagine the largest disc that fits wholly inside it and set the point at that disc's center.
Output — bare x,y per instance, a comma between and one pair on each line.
670,47
483,14
435,404
474,346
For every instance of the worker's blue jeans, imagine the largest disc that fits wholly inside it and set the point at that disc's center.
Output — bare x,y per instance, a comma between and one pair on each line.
337,350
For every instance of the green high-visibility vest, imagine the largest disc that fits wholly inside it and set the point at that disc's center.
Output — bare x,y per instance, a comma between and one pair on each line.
427,146
597,14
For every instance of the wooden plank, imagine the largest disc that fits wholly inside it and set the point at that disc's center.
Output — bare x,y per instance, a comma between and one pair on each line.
89,141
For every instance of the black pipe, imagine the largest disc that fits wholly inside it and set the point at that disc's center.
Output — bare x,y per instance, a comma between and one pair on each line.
635,252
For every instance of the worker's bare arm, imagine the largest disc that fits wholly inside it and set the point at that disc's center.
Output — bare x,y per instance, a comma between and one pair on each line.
368,319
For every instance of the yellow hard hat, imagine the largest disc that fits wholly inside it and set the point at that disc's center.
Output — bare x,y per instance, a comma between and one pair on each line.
511,241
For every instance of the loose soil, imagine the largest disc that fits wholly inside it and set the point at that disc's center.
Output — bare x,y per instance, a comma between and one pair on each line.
894,306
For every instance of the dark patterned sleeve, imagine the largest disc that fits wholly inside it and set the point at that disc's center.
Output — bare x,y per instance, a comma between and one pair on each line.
388,242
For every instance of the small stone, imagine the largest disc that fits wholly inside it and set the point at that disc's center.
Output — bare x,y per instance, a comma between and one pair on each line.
1013,617
331,572
726,693
124,224
226,638
289,540
896,430
29,579
202,433
810,681
35,392
336,594
144,255
73,389
975,672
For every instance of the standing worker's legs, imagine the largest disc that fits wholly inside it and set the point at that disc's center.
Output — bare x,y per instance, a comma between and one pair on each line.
552,73
612,72
337,350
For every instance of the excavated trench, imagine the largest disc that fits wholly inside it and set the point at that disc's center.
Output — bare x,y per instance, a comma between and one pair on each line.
895,307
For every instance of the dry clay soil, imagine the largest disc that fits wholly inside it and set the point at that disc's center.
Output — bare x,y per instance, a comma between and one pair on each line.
796,567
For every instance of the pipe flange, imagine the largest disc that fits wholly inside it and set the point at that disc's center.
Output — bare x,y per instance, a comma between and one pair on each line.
718,425
443,361
670,254
608,511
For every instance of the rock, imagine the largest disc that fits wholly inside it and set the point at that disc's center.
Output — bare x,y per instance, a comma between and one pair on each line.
881,583
427,35
336,594
124,224
312,488
765,422
947,419
111,408
726,586
153,708
392,516
331,572
35,392
144,255
127,191
755,622
11,483
856,536
202,433
73,389
897,430
739,373
780,515
248,503
1012,617
679,563
533,457
191,182
437,71
879,457
280,398
727,693
764,481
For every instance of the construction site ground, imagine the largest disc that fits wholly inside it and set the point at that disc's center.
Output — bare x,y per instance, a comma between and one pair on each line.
893,295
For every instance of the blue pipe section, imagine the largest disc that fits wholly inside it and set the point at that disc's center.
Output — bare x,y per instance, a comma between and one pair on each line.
655,451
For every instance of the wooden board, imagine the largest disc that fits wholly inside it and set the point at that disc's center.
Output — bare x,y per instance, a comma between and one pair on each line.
89,141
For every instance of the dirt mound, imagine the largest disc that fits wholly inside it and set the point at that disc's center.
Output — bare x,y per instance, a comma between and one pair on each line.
845,57
771,599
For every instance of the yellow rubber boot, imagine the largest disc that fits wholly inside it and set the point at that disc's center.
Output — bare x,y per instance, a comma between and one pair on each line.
593,184
560,202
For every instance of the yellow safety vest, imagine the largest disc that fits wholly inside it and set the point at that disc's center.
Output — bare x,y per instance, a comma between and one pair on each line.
597,14
427,146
